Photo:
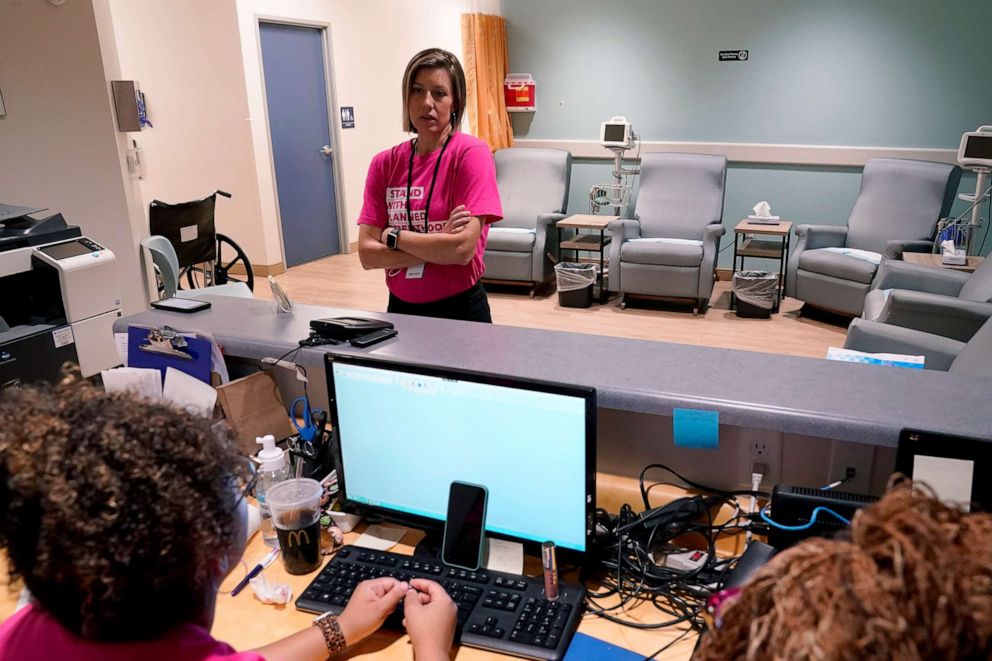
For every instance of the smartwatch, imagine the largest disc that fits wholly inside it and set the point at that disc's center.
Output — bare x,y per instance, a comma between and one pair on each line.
392,238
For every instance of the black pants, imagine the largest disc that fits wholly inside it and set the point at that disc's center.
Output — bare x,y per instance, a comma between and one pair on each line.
470,305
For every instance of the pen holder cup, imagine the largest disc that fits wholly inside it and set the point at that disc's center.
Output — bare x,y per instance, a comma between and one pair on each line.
316,464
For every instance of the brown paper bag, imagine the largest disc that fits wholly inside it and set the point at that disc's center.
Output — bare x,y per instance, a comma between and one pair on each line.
252,407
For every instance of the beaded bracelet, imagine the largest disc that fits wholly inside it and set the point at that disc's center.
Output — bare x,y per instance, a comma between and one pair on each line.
333,638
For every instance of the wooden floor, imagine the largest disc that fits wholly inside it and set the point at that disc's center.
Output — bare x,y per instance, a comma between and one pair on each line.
340,281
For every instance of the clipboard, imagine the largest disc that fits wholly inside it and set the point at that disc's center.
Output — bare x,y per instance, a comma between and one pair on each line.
196,365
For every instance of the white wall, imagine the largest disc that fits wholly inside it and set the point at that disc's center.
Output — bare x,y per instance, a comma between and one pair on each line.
371,43
186,56
198,64
59,145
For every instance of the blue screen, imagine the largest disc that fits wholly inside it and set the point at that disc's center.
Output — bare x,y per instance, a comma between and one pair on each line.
406,437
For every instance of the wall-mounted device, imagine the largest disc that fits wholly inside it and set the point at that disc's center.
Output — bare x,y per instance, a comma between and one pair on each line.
520,92
129,103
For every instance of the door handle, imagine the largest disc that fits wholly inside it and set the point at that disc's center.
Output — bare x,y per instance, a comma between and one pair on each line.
326,150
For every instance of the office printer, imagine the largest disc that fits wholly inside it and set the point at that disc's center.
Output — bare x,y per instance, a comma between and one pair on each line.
58,298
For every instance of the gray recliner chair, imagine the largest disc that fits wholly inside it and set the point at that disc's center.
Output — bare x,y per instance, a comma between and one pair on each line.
669,248
533,187
973,356
934,300
897,209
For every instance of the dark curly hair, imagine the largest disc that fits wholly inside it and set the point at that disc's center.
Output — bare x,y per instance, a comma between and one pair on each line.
914,581
113,509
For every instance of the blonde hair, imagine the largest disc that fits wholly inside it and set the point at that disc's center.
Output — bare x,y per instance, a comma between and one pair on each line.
435,58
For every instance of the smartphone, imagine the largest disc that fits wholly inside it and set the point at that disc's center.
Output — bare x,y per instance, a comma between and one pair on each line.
465,525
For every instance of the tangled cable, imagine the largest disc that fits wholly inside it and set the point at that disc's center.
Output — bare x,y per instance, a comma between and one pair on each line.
914,581
632,547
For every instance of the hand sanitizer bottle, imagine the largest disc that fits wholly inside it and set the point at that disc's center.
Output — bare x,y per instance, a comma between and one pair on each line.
274,469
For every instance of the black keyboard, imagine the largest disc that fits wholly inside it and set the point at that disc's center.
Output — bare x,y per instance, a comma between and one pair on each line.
496,611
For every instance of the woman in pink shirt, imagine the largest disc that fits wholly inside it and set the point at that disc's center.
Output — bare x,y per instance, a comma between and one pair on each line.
429,202
122,518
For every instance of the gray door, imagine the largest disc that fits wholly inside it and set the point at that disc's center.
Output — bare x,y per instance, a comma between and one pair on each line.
296,93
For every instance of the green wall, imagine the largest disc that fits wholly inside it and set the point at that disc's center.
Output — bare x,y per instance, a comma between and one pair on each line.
874,73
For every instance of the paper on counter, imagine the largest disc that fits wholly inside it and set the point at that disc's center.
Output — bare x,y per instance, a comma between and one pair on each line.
891,359
120,339
380,538
216,357
145,383
189,393
504,556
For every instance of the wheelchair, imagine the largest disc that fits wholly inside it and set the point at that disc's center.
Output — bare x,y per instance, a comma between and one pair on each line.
206,257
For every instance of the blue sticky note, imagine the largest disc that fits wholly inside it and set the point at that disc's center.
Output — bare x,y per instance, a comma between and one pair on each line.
695,428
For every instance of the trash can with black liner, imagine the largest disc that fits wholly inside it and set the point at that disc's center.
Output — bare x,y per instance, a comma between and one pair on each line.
756,293
575,282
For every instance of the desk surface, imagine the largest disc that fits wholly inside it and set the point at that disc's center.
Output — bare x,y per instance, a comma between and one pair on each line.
245,623
812,397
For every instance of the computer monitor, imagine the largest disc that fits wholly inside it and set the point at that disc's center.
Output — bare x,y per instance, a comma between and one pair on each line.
406,432
975,149
955,468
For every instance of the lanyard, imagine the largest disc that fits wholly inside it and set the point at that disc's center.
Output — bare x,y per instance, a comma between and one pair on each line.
430,193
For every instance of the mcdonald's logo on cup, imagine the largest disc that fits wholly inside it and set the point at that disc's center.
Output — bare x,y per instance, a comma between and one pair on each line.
294,537
295,508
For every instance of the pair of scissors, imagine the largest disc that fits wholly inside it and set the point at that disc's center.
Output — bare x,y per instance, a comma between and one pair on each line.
313,419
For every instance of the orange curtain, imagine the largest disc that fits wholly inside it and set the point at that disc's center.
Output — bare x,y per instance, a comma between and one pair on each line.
486,65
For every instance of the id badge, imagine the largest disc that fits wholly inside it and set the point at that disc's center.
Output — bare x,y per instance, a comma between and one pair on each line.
415,272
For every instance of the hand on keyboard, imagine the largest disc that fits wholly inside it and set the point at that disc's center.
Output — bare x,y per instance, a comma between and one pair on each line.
371,603
495,611
429,617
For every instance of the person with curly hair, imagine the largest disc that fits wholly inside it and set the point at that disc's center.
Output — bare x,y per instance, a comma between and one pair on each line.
913,581
122,518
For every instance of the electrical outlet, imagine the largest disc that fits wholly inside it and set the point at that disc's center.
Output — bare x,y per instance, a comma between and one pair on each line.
846,456
762,447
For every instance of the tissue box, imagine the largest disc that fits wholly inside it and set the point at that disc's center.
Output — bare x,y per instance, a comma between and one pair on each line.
957,258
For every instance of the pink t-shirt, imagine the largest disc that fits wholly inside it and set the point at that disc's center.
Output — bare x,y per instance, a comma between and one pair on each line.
466,176
32,633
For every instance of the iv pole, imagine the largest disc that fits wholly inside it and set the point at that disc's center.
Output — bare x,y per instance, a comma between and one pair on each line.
976,199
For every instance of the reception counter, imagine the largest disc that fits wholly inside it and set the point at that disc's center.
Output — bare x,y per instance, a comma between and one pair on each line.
812,414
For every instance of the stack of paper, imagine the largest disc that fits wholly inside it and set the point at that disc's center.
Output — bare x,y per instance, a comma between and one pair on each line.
893,359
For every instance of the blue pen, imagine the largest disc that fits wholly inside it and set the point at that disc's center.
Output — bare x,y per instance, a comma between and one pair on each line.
256,570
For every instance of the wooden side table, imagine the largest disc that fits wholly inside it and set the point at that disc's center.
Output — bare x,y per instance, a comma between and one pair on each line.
748,243
929,259
588,242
